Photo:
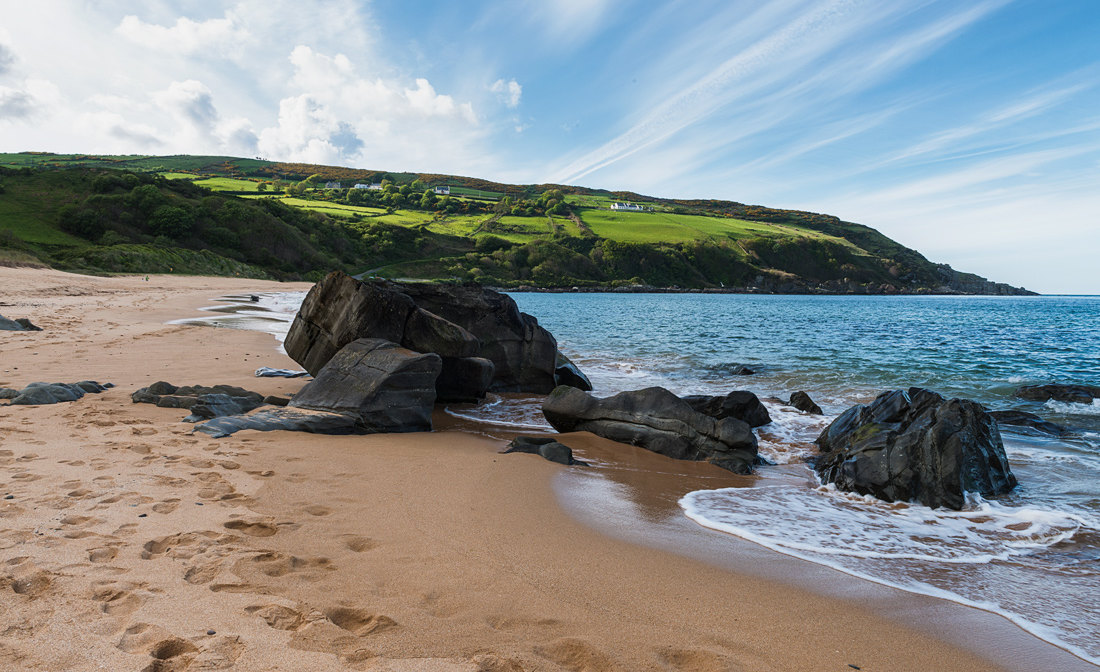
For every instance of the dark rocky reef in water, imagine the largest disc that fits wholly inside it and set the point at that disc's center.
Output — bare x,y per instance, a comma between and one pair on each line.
483,340
914,445
657,420
1074,394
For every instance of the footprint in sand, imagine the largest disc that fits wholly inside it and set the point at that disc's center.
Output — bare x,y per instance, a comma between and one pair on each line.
251,528
577,655
359,621
358,544
689,660
278,616
274,564
167,506
31,584
317,510
117,598
169,653
102,553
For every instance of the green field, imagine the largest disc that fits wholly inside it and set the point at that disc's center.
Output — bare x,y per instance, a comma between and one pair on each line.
227,184
666,227
180,176
476,193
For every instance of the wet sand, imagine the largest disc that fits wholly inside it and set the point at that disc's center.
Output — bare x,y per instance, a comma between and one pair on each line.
129,543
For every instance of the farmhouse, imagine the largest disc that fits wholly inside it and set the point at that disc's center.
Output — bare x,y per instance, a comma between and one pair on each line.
375,186
360,185
444,191
332,185
627,206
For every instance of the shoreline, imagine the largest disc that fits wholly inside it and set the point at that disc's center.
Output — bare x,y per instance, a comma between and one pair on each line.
383,549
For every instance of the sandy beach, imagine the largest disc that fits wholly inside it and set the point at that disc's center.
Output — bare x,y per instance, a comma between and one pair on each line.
129,543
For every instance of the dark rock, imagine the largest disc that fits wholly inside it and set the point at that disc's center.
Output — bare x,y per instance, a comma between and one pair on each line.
273,400
546,447
202,401
8,393
567,373
742,370
19,324
289,419
427,332
1076,394
657,420
254,297
387,387
463,379
1024,419
740,404
804,403
268,372
915,446
37,394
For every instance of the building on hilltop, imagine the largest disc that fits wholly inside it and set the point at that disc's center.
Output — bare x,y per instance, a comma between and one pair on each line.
628,206
360,185
443,191
375,186
332,185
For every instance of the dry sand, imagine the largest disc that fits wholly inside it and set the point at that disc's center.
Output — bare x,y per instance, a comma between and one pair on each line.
131,544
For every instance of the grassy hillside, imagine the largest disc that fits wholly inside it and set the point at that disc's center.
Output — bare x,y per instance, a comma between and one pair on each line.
224,215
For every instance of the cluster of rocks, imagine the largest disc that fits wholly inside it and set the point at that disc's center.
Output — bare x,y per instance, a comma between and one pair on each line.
203,402
37,394
914,445
383,353
547,447
18,324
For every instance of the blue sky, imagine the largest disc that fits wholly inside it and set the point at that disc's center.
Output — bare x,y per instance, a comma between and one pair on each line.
968,130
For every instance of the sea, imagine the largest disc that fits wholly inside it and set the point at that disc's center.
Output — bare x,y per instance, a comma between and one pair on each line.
1032,556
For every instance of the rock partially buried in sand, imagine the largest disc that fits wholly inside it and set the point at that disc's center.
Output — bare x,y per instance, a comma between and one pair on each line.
371,385
19,324
804,403
740,404
268,372
37,394
657,420
203,402
914,445
1074,394
546,447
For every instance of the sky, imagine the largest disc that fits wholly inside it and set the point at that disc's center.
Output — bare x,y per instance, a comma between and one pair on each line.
966,129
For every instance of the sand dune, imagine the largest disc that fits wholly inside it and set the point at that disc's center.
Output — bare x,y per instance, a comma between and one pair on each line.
129,543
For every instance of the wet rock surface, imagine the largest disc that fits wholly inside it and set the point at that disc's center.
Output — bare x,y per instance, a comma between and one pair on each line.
1025,419
1074,394
546,447
202,401
804,403
740,404
914,445
657,420
39,394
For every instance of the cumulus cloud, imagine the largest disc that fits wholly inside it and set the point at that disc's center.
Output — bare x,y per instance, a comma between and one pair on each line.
339,116
15,104
7,59
509,92
186,36
191,102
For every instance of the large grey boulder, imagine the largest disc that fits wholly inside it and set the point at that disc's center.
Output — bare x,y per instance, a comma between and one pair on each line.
740,404
914,445
567,373
657,420
387,387
19,324
340,309
1076,394
370,385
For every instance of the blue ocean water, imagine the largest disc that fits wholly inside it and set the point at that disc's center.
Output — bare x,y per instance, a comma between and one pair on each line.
1033,556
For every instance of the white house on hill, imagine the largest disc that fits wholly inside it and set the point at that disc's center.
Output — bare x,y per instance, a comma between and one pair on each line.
360,185
444,191
332,185
627,206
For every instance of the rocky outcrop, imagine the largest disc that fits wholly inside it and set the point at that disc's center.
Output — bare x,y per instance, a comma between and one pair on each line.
1030,420
370,385
456,323
546,447
804,403
18,324
914,445
37,394
204,402
740,404
657,420
1074,394
567,373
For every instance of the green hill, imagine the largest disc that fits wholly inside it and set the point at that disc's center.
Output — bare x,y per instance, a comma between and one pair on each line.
231,216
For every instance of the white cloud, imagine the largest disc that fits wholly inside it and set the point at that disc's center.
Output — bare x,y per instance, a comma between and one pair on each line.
15,104
191,103
186,36
509,92
7,59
